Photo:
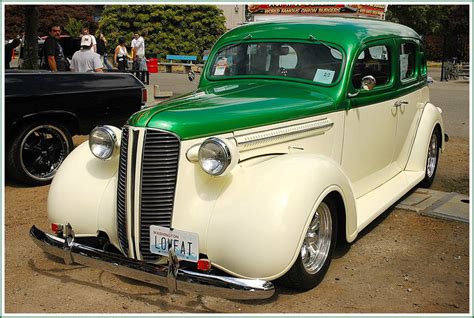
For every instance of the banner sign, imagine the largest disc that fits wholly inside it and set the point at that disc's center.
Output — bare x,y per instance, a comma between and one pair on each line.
354,10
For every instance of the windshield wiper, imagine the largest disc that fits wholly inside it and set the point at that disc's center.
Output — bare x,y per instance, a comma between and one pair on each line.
313,38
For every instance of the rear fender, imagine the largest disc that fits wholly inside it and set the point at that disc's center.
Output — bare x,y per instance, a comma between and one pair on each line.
430,118
262,213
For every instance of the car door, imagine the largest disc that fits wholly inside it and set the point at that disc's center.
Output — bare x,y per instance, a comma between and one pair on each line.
413,94
371,120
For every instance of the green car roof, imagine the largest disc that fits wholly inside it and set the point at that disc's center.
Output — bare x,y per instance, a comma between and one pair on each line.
229,104
345,32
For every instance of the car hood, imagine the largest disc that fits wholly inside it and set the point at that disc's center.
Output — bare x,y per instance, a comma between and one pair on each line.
221,108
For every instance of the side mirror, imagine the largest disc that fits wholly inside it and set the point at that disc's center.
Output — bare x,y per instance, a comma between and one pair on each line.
368,82
191,76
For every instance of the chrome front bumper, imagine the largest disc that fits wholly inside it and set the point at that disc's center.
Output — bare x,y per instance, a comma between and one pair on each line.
162,275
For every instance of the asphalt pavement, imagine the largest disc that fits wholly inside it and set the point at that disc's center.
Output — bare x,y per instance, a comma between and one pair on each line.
453,98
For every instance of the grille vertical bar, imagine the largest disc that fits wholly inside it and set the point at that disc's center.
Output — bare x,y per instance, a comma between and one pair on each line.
158,184
121,193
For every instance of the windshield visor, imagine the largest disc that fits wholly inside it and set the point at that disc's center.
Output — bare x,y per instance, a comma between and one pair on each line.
312,62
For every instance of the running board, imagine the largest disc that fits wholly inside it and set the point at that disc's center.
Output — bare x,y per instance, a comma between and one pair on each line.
374,203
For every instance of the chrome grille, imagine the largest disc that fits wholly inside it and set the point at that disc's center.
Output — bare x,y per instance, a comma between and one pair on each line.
159,173
158,165
121,193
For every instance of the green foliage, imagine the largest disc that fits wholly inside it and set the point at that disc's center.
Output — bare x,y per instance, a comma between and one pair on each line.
73,27
445,28
48,14
167,29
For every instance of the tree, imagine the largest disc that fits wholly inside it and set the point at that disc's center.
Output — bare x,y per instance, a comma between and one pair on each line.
31,37
438,24
48,14
73,27
168,29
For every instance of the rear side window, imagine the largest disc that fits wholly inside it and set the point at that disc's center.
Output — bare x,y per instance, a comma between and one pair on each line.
407,60
374,61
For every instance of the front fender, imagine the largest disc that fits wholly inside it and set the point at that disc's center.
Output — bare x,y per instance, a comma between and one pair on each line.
83,193
260,218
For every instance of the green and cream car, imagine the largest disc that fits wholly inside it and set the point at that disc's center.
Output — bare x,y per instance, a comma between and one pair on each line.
301,133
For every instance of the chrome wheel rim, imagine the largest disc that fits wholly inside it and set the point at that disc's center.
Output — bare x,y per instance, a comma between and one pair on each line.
317,241
432,156
42,151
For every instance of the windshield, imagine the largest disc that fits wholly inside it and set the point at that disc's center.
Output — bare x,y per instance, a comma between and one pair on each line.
313,62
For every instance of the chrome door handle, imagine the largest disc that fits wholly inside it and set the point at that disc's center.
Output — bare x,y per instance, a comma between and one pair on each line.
399,103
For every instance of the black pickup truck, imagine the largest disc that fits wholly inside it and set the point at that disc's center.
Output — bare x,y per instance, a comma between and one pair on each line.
43,110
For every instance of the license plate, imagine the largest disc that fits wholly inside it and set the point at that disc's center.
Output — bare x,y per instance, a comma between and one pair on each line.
184,244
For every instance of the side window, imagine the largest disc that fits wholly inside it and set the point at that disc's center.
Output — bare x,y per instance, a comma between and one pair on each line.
407,60
374,61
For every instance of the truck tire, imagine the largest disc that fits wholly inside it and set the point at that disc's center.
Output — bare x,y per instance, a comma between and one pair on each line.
316,252
36,152
432,159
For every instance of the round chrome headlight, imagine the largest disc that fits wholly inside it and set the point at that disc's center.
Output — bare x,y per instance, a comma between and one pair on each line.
214,156
102,142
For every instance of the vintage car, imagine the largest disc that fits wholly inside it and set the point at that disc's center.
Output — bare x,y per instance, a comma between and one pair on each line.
43,110
301,133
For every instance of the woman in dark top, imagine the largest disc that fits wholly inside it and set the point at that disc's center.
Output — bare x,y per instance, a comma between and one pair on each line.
102,50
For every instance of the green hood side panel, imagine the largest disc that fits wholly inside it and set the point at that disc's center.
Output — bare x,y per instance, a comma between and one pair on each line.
235,106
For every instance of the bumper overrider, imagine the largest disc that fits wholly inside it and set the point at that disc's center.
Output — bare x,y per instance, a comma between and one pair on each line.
170,275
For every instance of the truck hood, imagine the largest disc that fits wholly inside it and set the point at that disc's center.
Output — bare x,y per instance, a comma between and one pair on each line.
221,108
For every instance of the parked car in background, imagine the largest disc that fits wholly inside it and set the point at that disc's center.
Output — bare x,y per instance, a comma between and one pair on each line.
301,133
43,110
69,44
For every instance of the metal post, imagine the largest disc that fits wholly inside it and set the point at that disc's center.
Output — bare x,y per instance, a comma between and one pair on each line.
443,58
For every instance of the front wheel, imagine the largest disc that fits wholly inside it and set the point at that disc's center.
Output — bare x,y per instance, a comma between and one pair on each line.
317,249
432,159
37,151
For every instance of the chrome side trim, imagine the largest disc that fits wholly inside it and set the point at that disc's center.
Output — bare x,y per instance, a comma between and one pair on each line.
203,284
279,135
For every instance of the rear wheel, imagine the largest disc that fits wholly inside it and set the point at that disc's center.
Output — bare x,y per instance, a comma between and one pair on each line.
432,159
37,151
317,249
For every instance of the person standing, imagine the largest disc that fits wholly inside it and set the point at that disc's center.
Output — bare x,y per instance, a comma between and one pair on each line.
121,55
86,60
138,50
102,50
53,54
9,51
85,31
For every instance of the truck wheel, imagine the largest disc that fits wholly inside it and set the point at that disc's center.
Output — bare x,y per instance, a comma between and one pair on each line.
37,151
432,159
316,252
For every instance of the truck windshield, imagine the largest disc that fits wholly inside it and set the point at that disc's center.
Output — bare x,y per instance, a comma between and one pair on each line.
313,62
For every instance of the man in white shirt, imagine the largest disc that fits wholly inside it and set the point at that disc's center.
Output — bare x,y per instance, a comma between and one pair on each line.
138,49
85,31
86,60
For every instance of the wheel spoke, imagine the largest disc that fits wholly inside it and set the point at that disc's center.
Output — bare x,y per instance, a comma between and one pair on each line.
432,156
43,150
317,242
